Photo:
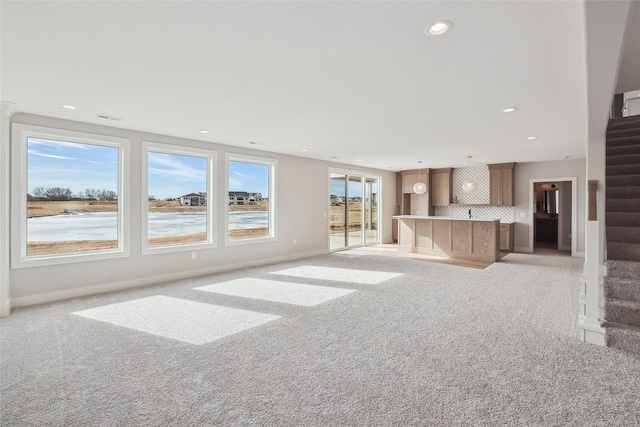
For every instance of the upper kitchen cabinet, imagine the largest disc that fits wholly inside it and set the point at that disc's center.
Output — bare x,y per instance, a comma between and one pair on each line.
441,183
501,184
409,178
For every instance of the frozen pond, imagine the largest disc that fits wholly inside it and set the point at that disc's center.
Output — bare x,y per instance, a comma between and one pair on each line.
104,225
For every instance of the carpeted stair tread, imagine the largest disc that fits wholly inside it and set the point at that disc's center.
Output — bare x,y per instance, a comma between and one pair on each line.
621,311
632,180
622,289
622,337
629,169
623,150
623,251
624,159
623,234
630,192
622,133
623,205
623,269
623,123
623,219
623,141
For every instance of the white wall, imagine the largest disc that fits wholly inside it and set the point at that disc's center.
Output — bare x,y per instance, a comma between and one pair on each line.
302,200
543,170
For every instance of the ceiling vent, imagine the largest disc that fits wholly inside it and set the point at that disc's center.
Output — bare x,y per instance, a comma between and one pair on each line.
115,119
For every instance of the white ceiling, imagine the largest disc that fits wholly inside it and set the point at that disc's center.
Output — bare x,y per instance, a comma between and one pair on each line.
358,81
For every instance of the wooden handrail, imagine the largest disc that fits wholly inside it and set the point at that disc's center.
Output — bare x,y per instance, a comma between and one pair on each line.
593,208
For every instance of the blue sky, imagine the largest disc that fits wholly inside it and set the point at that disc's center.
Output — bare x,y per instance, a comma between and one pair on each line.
174,175
70,165
82,166
249,177
337,187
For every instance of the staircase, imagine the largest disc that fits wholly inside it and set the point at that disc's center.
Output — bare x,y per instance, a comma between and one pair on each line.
622,282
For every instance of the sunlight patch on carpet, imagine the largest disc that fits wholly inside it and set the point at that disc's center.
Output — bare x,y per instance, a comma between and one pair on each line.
187,321
338,274
272,290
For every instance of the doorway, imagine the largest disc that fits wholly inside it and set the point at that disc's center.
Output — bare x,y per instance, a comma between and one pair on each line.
354,210
554,214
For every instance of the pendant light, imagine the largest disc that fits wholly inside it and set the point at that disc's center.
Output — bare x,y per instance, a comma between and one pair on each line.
419,187
469,187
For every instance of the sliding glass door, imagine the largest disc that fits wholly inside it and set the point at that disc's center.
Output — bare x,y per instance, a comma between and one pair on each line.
354,210
338,218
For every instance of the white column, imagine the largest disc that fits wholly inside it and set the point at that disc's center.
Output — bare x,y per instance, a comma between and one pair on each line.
8,109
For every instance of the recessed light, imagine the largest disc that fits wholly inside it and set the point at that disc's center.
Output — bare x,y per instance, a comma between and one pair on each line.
204,131
438,28
68,107
464,163
532,137
509,110
565,157
358,160
304,149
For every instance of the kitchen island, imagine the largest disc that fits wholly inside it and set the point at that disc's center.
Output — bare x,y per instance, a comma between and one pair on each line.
473,239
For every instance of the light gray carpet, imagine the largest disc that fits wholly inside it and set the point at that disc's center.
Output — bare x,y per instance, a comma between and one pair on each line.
438,345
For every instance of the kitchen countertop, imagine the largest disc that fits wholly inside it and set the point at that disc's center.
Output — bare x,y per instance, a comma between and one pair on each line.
443,218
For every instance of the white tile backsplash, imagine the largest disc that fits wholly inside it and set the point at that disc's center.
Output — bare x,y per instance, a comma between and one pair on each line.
504,213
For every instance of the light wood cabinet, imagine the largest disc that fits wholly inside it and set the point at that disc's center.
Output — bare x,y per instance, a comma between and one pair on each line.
408,181
501,184
394,230
463,239
506,237
398,189
441,183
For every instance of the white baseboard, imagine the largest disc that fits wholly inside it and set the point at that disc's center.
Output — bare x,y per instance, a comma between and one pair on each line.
5,309
134,283
523,249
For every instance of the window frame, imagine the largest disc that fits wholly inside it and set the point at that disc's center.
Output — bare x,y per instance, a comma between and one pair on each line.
181,150
272,185
20,133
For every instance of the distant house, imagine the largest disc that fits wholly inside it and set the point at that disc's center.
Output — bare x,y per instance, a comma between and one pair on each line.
336,201
194,199
244,198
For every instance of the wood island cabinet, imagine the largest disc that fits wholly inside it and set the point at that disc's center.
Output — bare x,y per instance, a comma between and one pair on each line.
441,183
501,184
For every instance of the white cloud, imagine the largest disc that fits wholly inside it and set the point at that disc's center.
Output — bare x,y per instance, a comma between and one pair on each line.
52,156
170,164
235,183
58,144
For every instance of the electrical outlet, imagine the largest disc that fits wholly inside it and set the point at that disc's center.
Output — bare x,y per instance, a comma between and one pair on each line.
295,242
324,214
523,214
193,255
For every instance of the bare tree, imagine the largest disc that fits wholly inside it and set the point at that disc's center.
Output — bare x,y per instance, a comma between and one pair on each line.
39,192
58,193
106,195
91,193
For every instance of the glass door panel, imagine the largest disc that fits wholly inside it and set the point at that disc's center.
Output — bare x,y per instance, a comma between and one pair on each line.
355,217
337,222
371,211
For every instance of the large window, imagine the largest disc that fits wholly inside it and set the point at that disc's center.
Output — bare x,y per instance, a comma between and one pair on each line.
251,199
67,196
179,204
